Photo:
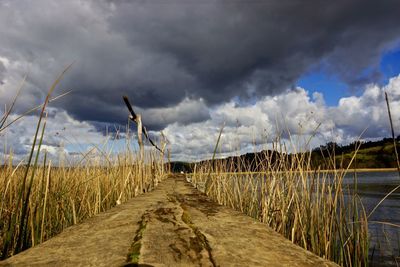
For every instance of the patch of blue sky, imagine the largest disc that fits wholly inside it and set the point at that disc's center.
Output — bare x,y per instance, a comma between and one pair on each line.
329,85
390,64
333,88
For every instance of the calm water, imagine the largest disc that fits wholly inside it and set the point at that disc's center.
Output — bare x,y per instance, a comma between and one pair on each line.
385,239
372,187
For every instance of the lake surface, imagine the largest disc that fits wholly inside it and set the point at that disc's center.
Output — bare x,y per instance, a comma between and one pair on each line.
372,188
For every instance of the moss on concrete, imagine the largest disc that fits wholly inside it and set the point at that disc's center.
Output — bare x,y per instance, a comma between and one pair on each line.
134,251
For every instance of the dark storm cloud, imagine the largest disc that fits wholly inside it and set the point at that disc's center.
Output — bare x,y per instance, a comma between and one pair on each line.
162,52
2,72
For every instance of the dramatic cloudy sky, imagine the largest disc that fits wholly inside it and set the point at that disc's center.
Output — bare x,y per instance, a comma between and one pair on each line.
262,68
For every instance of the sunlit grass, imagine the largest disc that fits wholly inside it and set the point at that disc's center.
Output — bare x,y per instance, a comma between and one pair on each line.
310,207
40,196
61,196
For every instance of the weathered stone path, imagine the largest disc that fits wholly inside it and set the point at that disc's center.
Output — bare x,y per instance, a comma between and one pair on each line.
174,225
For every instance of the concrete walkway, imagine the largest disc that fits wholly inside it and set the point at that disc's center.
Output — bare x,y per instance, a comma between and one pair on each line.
174,225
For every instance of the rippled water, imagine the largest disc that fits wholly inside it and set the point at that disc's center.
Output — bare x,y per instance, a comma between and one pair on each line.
372,187
385,238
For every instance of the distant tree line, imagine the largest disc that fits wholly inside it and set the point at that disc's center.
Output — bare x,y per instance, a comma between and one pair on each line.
350,147
371,154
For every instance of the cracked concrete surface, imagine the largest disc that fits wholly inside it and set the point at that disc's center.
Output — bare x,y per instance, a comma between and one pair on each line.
174,225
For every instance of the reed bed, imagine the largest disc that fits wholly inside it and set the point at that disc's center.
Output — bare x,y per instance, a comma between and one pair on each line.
61,196
42,195
312,208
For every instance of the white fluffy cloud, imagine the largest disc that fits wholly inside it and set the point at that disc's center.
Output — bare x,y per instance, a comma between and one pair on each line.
368,111
296,113
63,134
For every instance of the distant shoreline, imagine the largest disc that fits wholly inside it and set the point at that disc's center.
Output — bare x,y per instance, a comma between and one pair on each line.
321,171
370,170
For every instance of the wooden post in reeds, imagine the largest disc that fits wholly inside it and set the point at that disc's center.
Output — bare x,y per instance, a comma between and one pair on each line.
163,145
140,130
391,127
138,121
169,160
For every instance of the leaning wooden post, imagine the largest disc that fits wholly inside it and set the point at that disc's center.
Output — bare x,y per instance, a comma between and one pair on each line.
138,121
141,130
169,160
163,145
391,127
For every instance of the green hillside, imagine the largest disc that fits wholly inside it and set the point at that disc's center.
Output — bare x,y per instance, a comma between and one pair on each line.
372,154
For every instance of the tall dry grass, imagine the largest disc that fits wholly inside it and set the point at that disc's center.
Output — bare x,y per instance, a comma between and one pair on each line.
61,196
40,196
310,207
